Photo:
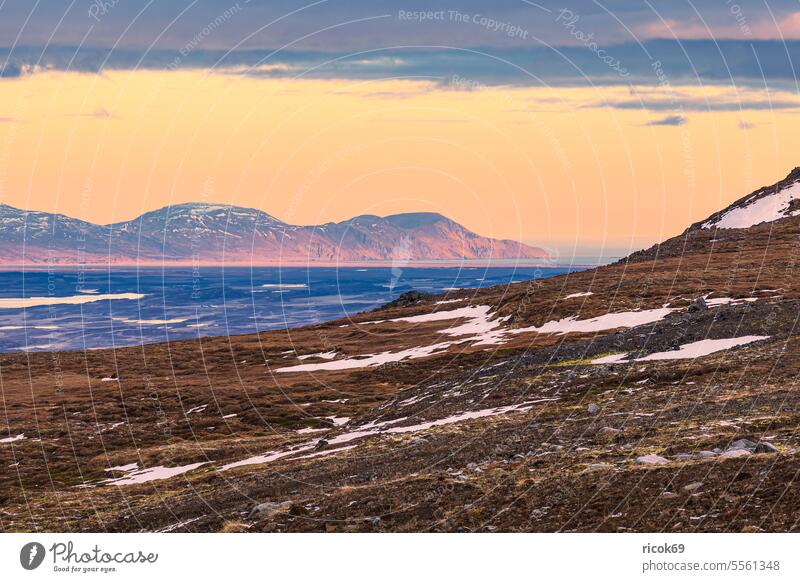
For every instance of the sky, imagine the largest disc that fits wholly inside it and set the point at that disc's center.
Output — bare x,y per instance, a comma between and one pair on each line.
577,124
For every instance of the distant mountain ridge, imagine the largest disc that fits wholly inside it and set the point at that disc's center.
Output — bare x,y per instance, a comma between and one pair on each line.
219,233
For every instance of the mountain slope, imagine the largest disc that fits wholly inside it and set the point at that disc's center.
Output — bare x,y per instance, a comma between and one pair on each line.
770,216
214,233
657,394
768,204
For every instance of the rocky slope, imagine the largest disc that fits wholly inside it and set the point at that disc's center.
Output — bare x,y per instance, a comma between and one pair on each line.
657,394
208,233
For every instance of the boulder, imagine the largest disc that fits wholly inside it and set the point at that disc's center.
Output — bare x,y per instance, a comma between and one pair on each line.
765,447
742,444
592,467
735,454
406,299
269,508
652,460
698,305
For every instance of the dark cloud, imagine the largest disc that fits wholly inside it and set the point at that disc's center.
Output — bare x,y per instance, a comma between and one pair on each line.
333,25
659,62
670,120
699,104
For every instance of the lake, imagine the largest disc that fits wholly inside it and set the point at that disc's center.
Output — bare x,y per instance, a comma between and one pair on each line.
86,309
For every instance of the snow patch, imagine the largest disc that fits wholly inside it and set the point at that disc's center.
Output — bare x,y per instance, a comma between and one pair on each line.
574,295
686,351
765,209
324,355
137,476
703,348
601,323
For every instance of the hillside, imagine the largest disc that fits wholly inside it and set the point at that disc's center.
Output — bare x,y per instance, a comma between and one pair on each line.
657,394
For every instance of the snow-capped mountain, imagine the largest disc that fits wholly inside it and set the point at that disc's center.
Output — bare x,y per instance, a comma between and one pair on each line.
215,233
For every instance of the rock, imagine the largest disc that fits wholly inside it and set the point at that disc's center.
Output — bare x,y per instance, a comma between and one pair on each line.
652,460
765,447
692,487
683,457
539,513
321,444
607,430
593,408
269,508
735,454
742,444
591,468
668,494
406,299
697,305
706,455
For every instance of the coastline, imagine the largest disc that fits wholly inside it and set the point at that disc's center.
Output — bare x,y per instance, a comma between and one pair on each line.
444,263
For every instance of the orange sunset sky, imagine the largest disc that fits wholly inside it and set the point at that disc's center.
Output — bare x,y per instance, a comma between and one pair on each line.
602,162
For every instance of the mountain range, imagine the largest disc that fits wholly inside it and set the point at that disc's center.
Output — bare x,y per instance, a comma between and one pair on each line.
215,233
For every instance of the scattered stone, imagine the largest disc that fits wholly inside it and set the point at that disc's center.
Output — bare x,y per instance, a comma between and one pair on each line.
692,487
706,455
406,299
607,430
735,454
742,444
592,467
697,305
652,460
764,447
269,508
668,494
539,513
683,457
321,444
593,408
